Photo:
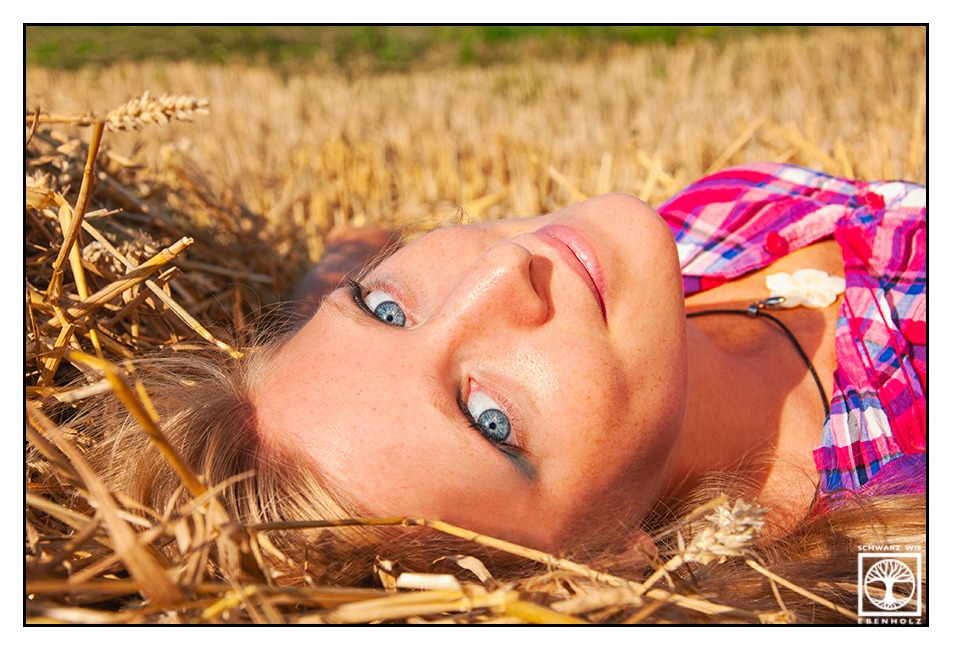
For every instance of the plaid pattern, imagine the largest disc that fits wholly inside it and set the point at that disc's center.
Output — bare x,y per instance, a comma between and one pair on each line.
745,218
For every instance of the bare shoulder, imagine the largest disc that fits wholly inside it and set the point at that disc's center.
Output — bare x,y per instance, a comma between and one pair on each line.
825,255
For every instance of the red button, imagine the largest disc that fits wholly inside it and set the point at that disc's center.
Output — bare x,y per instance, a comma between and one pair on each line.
874,200
775,244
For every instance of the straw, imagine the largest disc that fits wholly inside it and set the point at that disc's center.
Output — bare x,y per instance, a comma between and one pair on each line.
79,211
240,202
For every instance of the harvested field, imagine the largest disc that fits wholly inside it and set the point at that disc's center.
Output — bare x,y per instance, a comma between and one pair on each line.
197,211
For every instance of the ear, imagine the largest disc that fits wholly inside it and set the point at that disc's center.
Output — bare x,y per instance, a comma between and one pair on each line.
644,547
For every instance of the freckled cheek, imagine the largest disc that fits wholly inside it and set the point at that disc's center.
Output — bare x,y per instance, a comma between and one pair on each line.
540,372
590,404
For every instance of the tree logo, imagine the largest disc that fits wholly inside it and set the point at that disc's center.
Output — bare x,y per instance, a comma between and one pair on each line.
889,583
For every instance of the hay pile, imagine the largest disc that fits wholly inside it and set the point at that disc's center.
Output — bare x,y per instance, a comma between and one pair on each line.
119,262
123,259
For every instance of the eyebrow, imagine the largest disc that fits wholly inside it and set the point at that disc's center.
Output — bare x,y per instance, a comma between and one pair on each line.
346,307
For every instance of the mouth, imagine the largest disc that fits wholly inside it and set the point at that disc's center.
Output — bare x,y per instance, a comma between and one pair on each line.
580,256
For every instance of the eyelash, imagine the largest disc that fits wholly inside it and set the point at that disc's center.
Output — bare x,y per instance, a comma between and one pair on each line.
357,293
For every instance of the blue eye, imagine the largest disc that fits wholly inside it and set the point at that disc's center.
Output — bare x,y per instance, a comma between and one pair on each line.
488,417
385,309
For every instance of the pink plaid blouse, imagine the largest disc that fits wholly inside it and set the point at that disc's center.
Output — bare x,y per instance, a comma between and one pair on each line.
743,219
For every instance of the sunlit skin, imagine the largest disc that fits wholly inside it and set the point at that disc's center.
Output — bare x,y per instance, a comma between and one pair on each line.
587,362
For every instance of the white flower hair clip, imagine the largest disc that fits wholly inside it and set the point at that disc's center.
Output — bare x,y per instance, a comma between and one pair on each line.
808,287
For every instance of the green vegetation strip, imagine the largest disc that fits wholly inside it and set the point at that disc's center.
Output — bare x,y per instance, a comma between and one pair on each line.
361,48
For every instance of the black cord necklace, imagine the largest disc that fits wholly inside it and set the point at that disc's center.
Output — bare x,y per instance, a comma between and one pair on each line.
756,309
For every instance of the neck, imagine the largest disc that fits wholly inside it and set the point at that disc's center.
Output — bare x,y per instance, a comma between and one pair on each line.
740,413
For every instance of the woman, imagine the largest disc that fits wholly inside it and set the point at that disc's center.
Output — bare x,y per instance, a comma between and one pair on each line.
537,379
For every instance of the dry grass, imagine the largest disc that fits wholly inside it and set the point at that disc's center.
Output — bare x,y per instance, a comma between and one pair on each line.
162,237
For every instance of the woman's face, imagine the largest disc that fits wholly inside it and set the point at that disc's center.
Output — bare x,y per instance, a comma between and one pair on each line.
524,378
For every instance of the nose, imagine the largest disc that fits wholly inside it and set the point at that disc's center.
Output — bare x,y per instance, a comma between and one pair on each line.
507,286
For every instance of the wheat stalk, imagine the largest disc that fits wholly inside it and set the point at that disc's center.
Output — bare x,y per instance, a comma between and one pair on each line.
731,531
146,109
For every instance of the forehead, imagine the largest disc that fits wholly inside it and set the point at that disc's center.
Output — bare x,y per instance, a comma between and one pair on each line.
334,394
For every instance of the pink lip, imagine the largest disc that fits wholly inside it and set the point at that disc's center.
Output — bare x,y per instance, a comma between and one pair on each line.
577,251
